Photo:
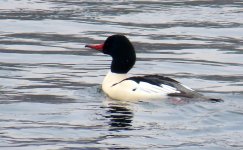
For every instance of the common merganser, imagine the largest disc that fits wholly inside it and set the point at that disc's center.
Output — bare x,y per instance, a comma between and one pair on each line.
117,85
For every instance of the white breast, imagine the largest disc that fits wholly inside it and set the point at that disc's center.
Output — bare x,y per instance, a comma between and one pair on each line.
131,90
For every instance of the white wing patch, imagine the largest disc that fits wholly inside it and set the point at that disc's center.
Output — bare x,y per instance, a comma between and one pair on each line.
154,89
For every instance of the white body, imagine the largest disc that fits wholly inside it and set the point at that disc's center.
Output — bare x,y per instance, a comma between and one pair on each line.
131,90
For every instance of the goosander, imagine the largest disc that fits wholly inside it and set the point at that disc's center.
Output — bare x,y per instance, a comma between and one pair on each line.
117,85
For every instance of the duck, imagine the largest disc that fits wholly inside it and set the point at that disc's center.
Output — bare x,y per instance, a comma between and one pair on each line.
119,86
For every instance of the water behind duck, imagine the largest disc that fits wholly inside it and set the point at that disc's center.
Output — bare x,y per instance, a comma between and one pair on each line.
50,94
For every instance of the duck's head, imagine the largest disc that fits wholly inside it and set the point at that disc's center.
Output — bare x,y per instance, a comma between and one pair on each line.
120,49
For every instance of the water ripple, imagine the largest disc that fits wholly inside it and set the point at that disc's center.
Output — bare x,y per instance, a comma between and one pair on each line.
50,94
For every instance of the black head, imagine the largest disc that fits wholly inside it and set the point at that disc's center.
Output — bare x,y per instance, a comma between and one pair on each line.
121,50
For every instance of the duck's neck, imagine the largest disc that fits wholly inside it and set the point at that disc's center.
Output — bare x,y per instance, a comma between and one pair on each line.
113,78
122,66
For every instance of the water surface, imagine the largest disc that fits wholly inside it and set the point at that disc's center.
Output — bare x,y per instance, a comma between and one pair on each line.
50,95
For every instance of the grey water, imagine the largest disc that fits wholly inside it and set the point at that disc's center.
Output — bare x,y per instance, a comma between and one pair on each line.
50,96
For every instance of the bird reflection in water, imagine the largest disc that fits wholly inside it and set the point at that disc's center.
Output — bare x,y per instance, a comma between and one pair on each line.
119,115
